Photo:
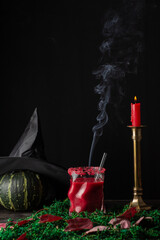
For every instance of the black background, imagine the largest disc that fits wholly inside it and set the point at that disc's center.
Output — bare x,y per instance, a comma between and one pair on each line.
49,52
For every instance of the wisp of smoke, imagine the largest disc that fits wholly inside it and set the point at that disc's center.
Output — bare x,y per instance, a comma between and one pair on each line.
120,50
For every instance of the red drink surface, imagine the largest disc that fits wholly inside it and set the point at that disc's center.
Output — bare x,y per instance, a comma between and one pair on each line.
85,194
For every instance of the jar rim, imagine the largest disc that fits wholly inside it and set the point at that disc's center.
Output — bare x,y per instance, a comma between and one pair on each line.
86,170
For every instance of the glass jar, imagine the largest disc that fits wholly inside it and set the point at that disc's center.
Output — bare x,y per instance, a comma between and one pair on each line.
86,189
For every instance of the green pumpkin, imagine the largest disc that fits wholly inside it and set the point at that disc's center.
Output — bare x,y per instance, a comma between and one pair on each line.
20,190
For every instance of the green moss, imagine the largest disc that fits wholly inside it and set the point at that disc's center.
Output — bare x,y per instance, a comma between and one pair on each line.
55,230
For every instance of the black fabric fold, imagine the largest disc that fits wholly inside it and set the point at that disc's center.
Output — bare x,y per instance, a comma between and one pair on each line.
29,154
30,143
8,164
54,178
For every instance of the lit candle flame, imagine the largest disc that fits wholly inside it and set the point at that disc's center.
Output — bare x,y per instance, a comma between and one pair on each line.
135,99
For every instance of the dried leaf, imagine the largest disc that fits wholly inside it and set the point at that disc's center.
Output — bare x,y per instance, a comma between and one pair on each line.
2,225
123,222
77,224
96,229
22,237
24,222
49,218
129,213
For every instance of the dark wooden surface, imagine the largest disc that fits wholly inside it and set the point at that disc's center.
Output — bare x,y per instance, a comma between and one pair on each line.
5,214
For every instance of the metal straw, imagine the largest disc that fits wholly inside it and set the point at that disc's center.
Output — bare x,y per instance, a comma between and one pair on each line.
101,164
102,161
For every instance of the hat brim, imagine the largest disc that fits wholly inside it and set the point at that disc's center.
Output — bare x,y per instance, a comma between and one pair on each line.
8,164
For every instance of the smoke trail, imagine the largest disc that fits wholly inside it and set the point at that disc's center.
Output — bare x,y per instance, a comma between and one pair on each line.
120,50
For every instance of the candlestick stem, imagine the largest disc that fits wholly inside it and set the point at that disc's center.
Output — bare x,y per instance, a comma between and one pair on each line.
137,190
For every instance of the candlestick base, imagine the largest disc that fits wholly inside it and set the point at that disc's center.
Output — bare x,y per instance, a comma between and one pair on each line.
138,201
137,190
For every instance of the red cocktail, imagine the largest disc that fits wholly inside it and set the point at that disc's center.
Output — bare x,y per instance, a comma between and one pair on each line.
86,189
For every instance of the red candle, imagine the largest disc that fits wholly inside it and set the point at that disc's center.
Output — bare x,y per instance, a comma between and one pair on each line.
135,113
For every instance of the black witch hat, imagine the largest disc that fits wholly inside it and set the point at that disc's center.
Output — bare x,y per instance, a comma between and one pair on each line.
28,154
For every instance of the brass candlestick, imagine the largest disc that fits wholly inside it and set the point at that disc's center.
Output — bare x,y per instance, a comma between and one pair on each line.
137,190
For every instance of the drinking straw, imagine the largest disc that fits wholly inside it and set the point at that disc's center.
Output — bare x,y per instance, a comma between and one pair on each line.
102,161
101,164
